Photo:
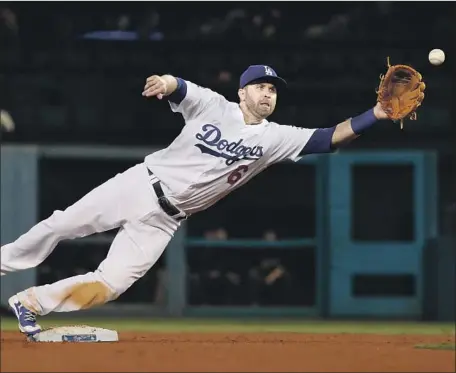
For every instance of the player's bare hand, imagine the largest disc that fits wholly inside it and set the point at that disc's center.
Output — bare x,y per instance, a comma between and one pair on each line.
155,86
379,112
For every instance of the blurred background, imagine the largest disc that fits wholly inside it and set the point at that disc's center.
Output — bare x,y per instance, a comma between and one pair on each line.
366,232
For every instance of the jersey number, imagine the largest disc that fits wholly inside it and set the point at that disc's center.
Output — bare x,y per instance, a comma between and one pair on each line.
236,175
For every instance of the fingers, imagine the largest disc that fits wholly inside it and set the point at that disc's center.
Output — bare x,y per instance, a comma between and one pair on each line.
153,91
152,80
155,86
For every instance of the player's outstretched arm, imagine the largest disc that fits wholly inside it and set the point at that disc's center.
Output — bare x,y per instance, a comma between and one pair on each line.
352,128
183,96
296,142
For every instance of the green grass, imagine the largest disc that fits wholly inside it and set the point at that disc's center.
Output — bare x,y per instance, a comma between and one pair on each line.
257,326
439,346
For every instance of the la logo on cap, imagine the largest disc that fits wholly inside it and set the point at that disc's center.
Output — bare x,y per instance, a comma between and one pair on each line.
268,71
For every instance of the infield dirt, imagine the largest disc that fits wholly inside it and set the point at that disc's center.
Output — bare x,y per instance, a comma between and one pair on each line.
230,352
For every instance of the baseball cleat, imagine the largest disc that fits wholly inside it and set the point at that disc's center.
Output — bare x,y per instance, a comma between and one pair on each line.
27,319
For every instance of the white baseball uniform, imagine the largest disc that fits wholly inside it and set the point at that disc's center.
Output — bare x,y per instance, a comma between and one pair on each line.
215,153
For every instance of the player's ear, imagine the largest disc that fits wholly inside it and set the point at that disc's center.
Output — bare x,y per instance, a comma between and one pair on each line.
241,94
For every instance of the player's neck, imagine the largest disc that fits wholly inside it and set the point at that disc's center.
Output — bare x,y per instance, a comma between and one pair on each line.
249,118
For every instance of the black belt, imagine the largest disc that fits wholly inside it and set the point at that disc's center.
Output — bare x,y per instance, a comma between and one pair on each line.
164,202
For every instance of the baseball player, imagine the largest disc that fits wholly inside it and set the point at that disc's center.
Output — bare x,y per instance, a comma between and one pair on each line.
221,146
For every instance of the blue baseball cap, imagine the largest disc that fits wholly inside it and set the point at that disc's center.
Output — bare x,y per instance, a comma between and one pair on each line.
261,73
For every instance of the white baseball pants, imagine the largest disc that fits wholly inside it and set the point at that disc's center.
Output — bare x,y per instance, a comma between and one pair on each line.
127,201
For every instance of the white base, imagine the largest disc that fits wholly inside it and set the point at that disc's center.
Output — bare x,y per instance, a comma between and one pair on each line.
77,333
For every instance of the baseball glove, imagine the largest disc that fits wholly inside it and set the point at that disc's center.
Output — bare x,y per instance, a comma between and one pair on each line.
401,92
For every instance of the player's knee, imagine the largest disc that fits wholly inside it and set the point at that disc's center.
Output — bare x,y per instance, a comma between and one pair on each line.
118,280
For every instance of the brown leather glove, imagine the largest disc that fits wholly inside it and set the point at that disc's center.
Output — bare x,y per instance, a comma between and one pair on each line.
401,92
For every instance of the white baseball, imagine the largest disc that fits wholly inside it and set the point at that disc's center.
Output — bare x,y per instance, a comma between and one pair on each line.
436,56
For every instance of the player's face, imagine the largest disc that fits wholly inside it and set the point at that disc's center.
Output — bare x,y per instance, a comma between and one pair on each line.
260,99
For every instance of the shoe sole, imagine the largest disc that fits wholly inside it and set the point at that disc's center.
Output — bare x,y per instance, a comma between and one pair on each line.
14,299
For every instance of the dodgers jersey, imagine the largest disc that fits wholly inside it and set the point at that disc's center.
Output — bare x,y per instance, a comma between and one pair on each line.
216,152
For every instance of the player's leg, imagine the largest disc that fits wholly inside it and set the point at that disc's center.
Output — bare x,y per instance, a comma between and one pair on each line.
124,197
135,249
